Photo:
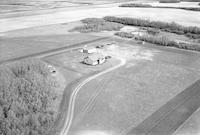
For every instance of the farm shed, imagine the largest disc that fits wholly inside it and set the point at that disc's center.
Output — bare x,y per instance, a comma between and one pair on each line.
138,33
89,50
94,59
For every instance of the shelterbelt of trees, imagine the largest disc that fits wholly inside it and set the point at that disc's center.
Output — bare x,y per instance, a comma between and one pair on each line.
132,5
191,31
27,96
164,41
97,25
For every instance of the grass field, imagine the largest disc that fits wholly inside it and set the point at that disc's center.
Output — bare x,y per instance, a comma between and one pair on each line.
120,100
73,61
35,44
49,30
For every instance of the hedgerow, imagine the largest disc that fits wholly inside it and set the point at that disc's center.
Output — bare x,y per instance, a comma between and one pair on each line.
164,41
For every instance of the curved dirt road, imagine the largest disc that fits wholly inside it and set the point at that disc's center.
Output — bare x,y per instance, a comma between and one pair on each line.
72,101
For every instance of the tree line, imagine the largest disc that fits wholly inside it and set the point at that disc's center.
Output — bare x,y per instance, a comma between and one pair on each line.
191,31
27,93
164,41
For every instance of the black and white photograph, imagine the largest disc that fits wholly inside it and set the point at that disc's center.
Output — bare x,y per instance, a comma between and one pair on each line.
99,67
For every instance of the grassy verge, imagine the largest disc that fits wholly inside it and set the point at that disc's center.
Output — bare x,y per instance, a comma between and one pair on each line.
97,25
191,32
164,41
28,98
150,6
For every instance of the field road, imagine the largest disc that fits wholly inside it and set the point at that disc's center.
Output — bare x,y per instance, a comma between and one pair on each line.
72,101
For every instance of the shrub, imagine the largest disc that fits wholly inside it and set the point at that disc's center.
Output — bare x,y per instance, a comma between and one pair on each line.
153,31
164,26
135,5
165,1
124,34
169,1
164,41
97,25
27,92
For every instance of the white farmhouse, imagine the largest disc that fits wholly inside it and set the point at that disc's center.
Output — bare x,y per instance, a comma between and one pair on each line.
94,59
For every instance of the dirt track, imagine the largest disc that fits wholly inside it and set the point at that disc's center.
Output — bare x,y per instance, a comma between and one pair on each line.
72,101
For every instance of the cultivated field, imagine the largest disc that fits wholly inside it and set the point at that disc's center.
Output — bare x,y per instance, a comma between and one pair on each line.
118,101
10,6
182,17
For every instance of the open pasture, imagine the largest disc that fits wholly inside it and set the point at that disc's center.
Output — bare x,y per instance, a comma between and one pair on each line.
26,46
118,101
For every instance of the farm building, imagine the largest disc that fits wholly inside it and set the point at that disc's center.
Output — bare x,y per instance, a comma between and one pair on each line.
128,29
94,59
138,33
51,69
89,50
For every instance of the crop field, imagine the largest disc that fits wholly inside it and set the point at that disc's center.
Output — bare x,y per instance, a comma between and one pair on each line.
118,101
29,45
183,17
7,6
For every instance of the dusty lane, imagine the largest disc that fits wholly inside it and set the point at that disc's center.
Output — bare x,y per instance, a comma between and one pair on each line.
72,101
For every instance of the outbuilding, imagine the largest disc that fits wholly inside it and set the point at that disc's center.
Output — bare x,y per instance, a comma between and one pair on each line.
94,59
138,33
89,50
